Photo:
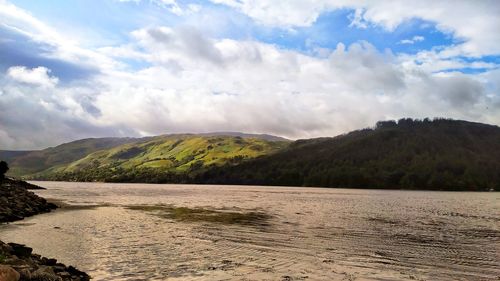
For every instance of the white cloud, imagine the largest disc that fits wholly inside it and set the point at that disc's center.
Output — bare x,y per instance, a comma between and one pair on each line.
474,22
36,76
434,61
57,46
194,83
357,19
412,40
171,5
418,38
185,43
35,115
229,85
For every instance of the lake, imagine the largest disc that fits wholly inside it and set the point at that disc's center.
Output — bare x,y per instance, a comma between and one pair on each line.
140,232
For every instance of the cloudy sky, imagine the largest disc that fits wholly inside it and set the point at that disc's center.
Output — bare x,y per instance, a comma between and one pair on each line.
304,68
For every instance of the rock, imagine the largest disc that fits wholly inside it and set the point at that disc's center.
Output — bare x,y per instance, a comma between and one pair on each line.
13,261
65,275
7,273
59,268
51,206
51,262
5,248
25,273
45,273
75,272
20,250
16,202
33,267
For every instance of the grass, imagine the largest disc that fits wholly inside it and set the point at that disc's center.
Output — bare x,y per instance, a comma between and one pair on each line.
186,214
174,153
158,164
64,154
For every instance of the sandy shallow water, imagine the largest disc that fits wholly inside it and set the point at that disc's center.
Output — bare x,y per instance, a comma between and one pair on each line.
312,233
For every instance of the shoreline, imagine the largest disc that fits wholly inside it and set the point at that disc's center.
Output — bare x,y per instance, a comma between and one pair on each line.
277,186
17,261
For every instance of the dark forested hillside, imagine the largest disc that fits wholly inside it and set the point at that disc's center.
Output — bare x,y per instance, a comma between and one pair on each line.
429,154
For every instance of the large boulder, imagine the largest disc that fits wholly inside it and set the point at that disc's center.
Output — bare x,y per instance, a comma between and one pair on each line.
7,273
20,250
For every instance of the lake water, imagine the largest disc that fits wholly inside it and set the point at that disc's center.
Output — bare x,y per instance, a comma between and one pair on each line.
312,233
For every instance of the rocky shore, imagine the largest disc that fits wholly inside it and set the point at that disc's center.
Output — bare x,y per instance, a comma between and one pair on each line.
16,202
17,262
21,183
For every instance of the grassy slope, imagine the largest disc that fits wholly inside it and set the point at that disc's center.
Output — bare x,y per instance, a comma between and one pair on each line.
29,162
175,153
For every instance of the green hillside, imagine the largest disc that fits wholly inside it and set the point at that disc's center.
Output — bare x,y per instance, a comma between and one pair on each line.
28,162
159,156
408,154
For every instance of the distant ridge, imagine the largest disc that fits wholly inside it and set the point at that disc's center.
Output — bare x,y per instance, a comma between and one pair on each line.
28,162
8,155
439,154
147,152
245,135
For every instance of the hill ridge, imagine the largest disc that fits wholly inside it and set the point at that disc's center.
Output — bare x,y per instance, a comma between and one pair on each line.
440,154
114,153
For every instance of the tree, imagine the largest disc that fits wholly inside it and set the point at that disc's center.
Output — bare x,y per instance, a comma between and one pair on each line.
3,169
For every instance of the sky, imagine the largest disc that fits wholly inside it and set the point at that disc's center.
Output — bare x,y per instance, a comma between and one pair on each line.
72,69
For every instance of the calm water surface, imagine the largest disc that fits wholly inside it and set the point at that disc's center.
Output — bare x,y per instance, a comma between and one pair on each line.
313,234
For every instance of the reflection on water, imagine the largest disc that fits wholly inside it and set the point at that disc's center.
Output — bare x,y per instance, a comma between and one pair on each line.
310,234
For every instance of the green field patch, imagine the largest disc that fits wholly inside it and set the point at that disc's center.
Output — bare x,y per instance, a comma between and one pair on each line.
164,163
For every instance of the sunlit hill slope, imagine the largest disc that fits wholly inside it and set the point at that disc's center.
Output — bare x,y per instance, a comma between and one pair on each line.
98,159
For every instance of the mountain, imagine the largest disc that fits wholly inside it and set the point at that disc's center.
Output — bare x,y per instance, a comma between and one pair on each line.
131,159
435,154
29,162
10,155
